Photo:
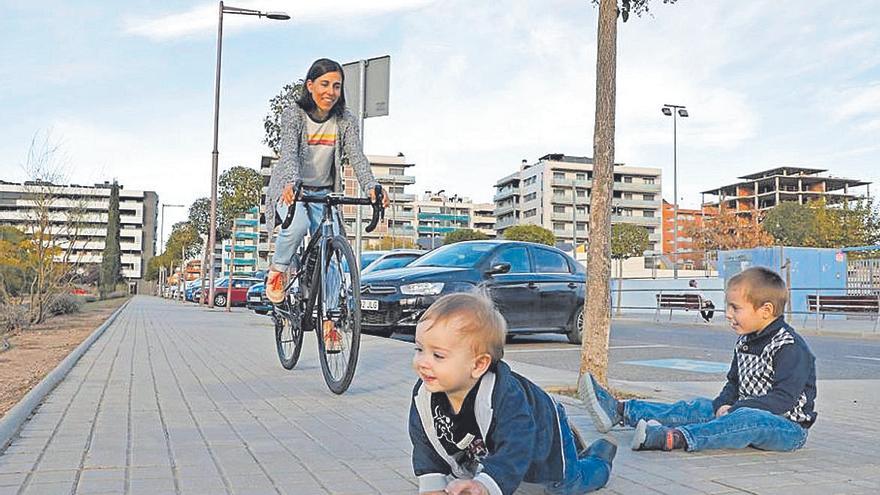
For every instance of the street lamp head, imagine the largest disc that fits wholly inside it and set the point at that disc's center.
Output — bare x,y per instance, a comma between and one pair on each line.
666,111
277,16
682,112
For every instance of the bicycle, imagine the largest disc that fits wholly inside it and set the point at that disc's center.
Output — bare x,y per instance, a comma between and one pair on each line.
338,299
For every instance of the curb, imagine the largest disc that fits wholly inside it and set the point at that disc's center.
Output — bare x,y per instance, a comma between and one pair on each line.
12,422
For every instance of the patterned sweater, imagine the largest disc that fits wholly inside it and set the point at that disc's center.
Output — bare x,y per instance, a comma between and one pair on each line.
295,152
773,370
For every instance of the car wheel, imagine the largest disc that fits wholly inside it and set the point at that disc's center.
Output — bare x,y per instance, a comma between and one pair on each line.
261,311
576,328
220,300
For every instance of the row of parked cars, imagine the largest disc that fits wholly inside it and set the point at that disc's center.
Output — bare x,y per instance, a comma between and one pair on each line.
538,288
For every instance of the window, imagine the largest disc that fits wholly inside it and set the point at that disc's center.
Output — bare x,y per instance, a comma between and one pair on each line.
530,197
648,213
581,210
531,180
628,179
648,197
530,213
648,180
517,256
581,176
581,193
395,171
558,209
627,195
547,261
558,175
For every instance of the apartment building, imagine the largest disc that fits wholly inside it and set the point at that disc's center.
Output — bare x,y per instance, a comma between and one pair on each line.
391,171
439,214
79,216
244,261
688,219
763,190
555,191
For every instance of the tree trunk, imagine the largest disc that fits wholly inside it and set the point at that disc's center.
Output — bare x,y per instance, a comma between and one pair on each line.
597,315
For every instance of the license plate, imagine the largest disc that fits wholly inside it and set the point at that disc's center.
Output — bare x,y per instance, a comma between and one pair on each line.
254,299
370,304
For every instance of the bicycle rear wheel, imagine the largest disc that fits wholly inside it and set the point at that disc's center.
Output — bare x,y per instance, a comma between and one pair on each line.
288,335
339,302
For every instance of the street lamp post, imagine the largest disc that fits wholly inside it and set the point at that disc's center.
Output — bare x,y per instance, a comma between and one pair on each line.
674,111
433,234
215,154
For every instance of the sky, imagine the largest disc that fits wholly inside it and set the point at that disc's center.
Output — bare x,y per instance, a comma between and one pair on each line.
125,90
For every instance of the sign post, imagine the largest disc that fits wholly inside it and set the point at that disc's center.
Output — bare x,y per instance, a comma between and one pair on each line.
367,84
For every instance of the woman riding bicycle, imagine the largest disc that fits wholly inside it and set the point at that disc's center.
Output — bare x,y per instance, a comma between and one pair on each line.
317,134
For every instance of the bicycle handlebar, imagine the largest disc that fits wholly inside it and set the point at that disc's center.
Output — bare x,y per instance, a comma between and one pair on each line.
330,200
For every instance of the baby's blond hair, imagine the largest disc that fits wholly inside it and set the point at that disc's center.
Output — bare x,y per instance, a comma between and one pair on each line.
474,315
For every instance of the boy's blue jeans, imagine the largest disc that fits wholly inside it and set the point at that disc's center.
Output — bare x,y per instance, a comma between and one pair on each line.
306,218
745,427
581,475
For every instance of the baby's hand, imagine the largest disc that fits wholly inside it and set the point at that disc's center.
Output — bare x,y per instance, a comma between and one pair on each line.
722,411
466,487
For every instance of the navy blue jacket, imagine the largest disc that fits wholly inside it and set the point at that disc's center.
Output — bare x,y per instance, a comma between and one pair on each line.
520,426
772,370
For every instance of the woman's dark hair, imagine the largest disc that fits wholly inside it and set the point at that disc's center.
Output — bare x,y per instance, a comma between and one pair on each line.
318,69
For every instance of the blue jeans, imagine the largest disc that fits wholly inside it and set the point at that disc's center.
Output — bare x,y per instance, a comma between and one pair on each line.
745,427
307,217
582,475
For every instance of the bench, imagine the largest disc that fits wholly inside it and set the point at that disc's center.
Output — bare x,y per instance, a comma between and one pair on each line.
686,302
844,305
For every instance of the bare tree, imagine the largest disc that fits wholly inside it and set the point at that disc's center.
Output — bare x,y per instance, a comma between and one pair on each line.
597,312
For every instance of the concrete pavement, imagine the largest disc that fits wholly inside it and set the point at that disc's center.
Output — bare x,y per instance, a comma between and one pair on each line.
179,399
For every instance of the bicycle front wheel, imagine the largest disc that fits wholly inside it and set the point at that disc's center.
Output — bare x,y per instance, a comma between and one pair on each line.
339,314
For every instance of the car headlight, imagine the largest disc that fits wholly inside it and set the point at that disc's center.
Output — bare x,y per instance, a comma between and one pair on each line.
422,288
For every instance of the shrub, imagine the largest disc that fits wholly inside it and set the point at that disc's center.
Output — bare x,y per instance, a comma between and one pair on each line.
14,317
64,304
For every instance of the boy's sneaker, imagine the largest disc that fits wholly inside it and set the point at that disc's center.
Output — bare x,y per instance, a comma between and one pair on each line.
275,286
601,449
601,405
332,338
651,435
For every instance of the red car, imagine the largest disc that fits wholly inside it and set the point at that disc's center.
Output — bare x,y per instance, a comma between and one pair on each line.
240,287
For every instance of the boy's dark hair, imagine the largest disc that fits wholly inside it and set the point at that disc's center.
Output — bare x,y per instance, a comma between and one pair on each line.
476,319
761,286
319,68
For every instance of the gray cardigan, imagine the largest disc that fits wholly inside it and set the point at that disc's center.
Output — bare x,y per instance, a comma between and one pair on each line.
295,151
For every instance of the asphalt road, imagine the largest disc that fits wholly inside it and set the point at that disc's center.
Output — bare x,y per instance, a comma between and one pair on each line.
689,352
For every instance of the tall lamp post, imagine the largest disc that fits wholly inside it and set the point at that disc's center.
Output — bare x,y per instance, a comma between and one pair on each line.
434,234
212,231
674,111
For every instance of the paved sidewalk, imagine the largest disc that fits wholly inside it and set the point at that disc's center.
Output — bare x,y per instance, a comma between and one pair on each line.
179,399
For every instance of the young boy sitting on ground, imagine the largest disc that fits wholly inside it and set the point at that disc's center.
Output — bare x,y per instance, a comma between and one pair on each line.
767,402
479,428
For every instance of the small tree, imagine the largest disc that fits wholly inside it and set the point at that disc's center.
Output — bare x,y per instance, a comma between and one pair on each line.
726,231
792,224
111,259
464,235
530,233
239,191
627,240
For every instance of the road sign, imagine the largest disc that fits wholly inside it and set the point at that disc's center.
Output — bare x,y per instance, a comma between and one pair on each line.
376,86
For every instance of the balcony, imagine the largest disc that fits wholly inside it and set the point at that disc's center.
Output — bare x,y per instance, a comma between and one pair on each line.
501,210
505,194
648,188
644,221
582,183
636,203
395,179
566,217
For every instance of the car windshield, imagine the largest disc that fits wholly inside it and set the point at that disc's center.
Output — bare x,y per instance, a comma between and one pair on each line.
369,257
392,262
460,255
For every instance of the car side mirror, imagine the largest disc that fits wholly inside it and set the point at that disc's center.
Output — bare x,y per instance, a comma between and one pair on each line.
498,269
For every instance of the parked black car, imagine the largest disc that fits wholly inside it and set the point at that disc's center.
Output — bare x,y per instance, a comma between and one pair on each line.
538,288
